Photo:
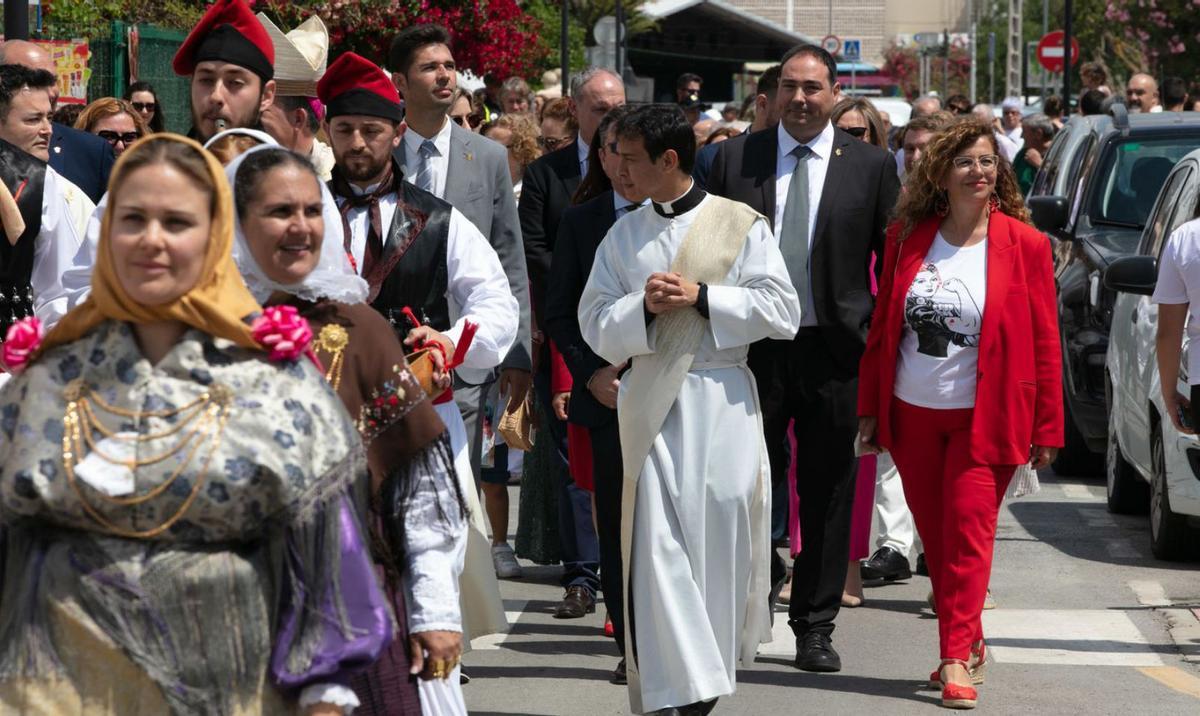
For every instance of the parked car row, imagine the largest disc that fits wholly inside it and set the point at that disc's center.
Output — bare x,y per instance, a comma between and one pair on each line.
1112,188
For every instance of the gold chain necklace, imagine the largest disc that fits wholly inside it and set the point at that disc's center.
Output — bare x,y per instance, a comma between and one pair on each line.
333,340
80,422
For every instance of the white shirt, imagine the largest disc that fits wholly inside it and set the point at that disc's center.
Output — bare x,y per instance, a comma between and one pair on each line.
476,285
1008,147
66,211
581,148
943,312
1014,134
441,163
1179,282
818,166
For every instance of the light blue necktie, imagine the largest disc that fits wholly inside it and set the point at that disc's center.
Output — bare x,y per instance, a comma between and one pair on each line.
427,151
793,243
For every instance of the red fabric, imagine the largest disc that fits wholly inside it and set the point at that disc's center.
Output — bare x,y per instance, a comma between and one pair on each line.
223,12
1019,393
354,72
579,441
954,501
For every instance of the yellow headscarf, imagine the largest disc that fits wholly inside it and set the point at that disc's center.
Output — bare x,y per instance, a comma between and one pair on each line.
216,305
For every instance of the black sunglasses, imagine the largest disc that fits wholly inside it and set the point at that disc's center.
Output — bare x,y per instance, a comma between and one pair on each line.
856,132
145,106
112,137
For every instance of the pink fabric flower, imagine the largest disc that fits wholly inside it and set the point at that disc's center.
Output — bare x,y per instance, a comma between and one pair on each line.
283,331
22,340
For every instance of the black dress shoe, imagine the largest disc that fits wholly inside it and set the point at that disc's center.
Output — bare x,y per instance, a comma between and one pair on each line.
704,707
575,604
668,711
815,652
886,564
619,675
922,567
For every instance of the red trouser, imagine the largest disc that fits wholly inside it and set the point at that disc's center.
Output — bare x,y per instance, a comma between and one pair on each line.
954,502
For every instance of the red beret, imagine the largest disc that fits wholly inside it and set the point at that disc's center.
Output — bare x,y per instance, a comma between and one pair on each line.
355,85
228,32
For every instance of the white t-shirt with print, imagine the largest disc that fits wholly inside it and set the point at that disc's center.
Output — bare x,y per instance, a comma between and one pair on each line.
1179,282
943,312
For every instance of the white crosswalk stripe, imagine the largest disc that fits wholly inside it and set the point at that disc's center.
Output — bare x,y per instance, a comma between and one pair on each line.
1083,637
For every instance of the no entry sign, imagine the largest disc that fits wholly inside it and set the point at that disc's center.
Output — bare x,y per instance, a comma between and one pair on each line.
1050,51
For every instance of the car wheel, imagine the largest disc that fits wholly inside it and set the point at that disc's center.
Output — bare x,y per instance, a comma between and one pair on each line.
1127,493
1075,459
1171,538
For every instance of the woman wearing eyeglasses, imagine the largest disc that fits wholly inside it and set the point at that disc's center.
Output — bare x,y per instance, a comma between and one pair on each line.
145,100
113,120
961,379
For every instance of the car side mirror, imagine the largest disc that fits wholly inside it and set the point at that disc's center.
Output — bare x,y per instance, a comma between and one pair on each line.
1132,274
1049,213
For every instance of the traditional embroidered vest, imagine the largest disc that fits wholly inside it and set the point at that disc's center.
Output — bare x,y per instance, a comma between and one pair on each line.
417,278
25,174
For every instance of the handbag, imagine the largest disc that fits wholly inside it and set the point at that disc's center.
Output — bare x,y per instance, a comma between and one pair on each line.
516,425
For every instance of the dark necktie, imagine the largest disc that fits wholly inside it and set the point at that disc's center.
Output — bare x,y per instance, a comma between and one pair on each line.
353,200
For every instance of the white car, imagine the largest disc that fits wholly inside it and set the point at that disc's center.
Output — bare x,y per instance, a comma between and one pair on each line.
1149,463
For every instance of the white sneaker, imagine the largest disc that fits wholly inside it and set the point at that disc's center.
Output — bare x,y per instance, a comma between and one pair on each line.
505,562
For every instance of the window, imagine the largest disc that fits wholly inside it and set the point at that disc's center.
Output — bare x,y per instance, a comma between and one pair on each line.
1127,181
1161,223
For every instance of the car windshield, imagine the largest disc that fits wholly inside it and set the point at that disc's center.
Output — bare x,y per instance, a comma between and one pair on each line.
1128,181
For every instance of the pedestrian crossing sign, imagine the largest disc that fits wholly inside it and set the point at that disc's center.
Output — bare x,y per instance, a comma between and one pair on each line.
852,50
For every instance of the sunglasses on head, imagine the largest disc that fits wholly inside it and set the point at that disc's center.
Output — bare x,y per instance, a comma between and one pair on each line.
145,106
553,143
856,132
112,137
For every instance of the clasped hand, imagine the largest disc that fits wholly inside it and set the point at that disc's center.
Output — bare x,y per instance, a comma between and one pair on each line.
670,291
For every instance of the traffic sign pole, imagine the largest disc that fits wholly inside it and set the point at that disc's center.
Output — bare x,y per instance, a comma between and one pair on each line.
1068,41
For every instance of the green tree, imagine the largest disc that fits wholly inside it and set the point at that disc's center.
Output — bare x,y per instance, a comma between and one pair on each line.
549,14
66,19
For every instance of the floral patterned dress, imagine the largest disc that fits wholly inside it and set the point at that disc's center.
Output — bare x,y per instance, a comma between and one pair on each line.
221,577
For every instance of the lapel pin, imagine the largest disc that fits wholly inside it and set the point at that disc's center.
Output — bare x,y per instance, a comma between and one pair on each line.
838,151
468,156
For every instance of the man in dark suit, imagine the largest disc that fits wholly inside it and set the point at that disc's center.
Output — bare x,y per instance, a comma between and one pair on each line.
828,196
84,159
593,399
551,181
546,192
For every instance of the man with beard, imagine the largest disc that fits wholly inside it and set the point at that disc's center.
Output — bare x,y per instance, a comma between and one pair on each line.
418,252
231,60
50,214
81,157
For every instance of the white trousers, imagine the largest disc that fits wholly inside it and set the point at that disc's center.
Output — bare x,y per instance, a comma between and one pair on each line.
896,527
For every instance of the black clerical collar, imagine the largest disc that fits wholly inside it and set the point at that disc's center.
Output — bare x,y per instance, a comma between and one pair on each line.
682,205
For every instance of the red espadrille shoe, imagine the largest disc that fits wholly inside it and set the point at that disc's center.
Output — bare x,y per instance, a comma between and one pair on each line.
957,696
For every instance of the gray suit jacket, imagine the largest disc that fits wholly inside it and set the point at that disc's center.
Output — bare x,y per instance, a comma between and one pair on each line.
478,185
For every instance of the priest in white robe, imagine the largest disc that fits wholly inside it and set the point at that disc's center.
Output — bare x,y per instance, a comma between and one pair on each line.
681,288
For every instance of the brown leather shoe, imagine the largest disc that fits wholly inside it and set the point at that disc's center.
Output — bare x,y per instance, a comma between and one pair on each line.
575,604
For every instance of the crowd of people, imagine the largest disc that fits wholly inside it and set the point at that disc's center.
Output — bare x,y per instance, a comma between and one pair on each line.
267,386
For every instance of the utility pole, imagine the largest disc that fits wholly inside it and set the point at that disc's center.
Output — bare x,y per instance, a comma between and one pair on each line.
620,13
830,17
566,48
1067,44
791,15
971,47
1045,30
945,63
16,20
1016,50
991,55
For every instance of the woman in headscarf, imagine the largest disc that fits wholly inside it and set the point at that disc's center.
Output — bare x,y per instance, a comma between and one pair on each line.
178,535
418,509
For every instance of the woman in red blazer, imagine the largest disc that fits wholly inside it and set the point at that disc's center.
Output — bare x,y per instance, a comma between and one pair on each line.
961,379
